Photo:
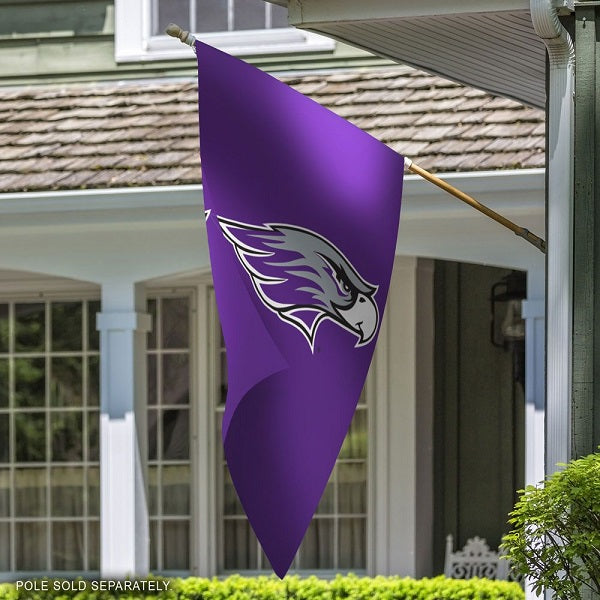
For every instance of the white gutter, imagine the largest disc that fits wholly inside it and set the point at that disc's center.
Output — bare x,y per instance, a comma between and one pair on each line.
164,196
65,210
181,198
559,270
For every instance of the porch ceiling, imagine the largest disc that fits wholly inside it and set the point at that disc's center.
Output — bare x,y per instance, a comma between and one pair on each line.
490,45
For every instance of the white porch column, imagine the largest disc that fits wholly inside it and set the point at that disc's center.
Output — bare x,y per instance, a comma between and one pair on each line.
402,426
535,380
124,530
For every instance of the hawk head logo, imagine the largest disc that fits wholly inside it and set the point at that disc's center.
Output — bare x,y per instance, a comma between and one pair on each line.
304,278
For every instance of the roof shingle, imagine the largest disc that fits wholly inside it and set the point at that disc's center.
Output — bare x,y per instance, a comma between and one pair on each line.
133,134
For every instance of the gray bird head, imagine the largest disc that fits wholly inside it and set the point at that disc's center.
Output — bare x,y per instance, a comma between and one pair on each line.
304,278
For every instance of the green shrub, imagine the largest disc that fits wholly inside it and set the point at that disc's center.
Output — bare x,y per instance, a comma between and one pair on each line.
556,531
294,588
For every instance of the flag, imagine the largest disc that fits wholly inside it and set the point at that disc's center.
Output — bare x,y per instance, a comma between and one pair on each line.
302,212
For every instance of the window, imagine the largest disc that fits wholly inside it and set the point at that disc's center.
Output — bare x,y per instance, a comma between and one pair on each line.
209,16
169,466
49,417
240,27
336,539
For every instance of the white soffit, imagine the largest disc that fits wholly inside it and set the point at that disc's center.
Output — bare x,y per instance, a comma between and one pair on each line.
497,51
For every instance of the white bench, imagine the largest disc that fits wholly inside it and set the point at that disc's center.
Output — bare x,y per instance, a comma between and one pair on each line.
477,560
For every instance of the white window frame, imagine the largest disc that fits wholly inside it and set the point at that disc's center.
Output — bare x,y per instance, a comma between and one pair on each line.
204,436
134,42
188,292
16,292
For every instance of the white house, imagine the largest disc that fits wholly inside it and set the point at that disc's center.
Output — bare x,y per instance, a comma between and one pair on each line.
112,370
111,437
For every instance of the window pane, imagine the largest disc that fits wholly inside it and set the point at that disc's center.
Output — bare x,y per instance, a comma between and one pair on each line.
152,312
219,452
93,381
5,547
30,322
67,546
30,431
93,436
172,11
176,545
4,439
316,550
249,14
151,373
3,327
279,16
176,379
176,490
211,15
223,376
4,493
154,536
66,428
352,543
30,492
362,400
240,545
355,444
176,443
93,333
152,434
31,546
66,381
66,325
352,485
94,491
153,490
231,502
175,322
94,546
264,561
30,382
67,491
4,382
327,502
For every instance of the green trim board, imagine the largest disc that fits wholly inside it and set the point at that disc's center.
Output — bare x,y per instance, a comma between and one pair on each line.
585,407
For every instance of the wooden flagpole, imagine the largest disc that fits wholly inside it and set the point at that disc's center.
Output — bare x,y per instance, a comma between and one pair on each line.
187,38
538,242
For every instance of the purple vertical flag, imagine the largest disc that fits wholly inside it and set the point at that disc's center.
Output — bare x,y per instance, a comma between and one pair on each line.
302,219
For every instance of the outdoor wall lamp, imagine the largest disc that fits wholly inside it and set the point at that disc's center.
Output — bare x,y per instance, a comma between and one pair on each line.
509,333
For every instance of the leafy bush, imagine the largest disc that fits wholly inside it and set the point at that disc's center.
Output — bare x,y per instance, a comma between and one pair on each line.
556,531
293,588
